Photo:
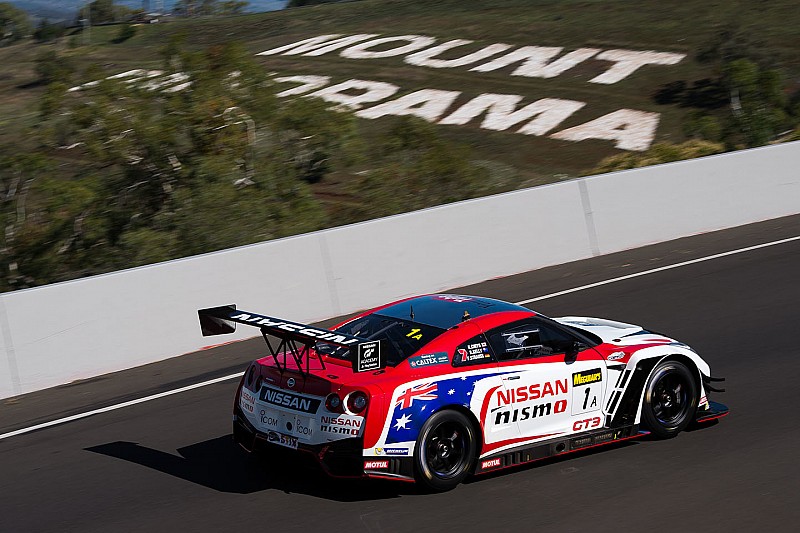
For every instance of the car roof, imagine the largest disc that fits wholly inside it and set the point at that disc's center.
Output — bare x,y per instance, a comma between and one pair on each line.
446,310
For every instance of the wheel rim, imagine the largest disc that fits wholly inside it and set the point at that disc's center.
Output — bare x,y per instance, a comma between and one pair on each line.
670,399
446,449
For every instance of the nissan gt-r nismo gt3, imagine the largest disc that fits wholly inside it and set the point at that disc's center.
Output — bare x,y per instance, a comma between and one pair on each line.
438,387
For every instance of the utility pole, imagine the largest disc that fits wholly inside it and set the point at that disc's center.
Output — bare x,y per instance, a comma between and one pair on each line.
87,24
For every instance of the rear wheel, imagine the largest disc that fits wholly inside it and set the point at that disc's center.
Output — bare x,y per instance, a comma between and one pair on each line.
445,451
670,399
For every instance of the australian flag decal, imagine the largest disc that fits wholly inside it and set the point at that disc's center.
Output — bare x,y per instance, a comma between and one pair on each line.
415,404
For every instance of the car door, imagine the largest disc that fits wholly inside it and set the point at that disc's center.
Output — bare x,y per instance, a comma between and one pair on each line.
483,379
557,387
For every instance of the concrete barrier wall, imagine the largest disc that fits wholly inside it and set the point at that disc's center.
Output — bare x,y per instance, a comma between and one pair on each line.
67,331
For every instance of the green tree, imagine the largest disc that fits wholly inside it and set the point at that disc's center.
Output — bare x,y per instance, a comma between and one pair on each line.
46,31
50,67
232,7
757,102
14,24
418,169
126,31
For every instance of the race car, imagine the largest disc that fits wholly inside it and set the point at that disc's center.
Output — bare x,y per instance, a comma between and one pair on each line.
438,387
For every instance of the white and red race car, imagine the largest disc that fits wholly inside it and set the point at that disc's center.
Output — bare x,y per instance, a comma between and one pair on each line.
435,388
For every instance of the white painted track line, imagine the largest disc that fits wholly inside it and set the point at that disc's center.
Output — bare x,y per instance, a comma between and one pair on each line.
118,406
659,269
523,302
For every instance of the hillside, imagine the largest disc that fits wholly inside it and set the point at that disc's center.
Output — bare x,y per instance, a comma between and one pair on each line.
522,92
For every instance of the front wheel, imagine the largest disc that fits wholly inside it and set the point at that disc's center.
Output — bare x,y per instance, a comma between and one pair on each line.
670,399
445,450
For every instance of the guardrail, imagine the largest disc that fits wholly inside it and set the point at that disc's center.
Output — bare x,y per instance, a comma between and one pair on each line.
66,331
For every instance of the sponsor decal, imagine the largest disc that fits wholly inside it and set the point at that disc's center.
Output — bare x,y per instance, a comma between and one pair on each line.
289,400
424,392
368,356
587,391
616,356
376,465
293,327
268,419
282,440
391,451
526,393
585,378
531,392
340,425
290,383
491,463
419,361
453,298
247,401
506,416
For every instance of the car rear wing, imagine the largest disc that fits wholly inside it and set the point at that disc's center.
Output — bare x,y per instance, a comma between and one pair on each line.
296,339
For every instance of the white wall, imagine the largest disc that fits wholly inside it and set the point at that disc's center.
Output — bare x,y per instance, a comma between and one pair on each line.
62,332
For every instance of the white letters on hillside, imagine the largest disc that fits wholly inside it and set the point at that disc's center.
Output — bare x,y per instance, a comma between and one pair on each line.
535,61
628,128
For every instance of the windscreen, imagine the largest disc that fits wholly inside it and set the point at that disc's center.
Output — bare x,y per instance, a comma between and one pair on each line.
400,338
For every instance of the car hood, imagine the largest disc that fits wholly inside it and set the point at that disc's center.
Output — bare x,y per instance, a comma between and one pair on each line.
612,331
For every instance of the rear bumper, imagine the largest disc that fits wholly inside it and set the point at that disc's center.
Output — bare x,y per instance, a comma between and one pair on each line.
342,458
714,411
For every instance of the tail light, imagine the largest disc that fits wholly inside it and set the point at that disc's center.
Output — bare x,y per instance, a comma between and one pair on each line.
333,403
356,402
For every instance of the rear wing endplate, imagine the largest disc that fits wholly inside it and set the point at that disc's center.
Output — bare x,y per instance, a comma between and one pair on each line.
295,339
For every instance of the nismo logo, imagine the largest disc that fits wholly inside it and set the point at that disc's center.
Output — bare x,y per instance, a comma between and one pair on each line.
584,378
288,400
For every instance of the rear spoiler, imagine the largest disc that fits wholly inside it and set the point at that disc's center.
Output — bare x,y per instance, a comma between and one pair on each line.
222,320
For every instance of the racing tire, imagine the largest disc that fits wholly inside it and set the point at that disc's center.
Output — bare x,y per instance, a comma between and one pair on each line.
670,399
446,451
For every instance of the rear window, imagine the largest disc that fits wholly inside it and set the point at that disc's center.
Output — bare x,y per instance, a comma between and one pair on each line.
400,338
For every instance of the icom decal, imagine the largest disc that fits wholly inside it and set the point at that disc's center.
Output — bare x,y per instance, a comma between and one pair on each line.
587,391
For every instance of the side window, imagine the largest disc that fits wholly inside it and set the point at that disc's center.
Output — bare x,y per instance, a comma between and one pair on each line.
528,338
475,351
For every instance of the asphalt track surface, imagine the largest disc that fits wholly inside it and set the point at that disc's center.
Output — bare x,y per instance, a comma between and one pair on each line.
170,465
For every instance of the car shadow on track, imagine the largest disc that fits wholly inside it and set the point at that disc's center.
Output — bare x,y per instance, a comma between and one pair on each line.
220,465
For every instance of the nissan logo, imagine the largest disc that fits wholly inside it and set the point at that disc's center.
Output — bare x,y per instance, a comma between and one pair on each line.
290,383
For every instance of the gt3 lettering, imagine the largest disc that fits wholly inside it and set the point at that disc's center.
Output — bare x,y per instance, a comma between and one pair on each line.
589,423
